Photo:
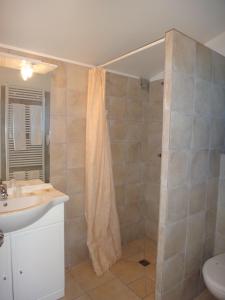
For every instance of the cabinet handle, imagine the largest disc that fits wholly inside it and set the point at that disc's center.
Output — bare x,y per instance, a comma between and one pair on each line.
21,272
4,277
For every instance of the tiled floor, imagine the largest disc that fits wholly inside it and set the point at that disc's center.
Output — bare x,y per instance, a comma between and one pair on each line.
126,280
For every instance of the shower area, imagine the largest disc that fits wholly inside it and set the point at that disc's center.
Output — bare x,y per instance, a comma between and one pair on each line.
165,109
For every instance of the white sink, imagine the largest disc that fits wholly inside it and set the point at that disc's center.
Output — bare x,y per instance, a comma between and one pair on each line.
34,202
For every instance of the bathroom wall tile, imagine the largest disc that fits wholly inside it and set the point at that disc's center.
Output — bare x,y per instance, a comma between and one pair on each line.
78,252
175,293
184,53
77,77
175,237
76,129
203,62
217,133
118,152
177,204
217,97
173,270
76,103
57,129
190,287
134,131
151,229
133,152
196,228
133,88
219,244
75,155
134,110
210,223
59,182
118,130
218,68
119,173
214,163
197,198
222,166
116,108
57,159
133,173
75,180
200,139
202,97
58,101
193,259
221,221
178,168
212,193
75,206
181,131
59,76
182,98
116,85
199,166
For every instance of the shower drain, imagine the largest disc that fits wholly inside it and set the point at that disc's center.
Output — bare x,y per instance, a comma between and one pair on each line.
144,262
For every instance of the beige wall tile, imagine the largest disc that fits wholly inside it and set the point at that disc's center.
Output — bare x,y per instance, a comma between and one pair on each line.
203,62
57,129
75,129
116,85
58,101
173,270
197,198
57,159
199,166
202,96
196,228
184,53
76,103
75,155
178,168
116,108
75,180
177,206
218,68
181,131
200,139
175,238
182,98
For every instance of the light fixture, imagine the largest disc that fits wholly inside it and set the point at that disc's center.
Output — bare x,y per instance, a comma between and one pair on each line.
26,70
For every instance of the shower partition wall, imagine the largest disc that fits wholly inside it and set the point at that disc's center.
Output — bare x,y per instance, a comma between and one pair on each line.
193,137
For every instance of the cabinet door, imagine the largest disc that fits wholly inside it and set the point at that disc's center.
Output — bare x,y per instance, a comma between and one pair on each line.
38,263
5,271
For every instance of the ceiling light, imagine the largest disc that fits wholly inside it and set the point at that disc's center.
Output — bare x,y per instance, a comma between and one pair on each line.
26,70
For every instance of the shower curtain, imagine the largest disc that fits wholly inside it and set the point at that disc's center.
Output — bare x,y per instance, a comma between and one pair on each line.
103,232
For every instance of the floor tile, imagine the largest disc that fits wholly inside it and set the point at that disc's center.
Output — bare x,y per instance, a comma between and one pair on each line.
85,297
150,297
86,277
112,290
127,271
133,248
142,287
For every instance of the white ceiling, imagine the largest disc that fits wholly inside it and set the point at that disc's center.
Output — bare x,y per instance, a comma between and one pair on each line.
95,31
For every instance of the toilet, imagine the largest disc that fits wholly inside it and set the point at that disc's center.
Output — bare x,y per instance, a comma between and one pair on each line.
214,276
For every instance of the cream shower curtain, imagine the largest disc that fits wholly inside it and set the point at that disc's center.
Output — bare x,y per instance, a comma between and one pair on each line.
103,232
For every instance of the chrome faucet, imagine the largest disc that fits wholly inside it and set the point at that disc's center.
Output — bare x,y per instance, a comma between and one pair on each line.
3,191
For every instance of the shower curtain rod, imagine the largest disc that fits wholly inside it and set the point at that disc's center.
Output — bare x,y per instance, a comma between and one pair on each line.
132,52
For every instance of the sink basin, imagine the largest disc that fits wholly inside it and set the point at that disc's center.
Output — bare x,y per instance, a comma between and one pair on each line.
34,202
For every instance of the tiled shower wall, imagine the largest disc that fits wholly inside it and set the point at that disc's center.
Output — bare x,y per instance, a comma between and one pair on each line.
67,152
193,138
220,220
135,143
135,119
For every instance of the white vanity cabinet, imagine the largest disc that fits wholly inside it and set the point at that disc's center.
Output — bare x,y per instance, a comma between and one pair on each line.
6,291
36,260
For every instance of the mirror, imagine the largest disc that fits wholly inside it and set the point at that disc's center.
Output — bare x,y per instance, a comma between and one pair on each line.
24,126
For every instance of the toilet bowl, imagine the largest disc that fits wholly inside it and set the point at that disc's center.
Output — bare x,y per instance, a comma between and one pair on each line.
214,276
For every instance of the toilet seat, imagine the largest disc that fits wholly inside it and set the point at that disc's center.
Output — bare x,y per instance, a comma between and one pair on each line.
214,274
